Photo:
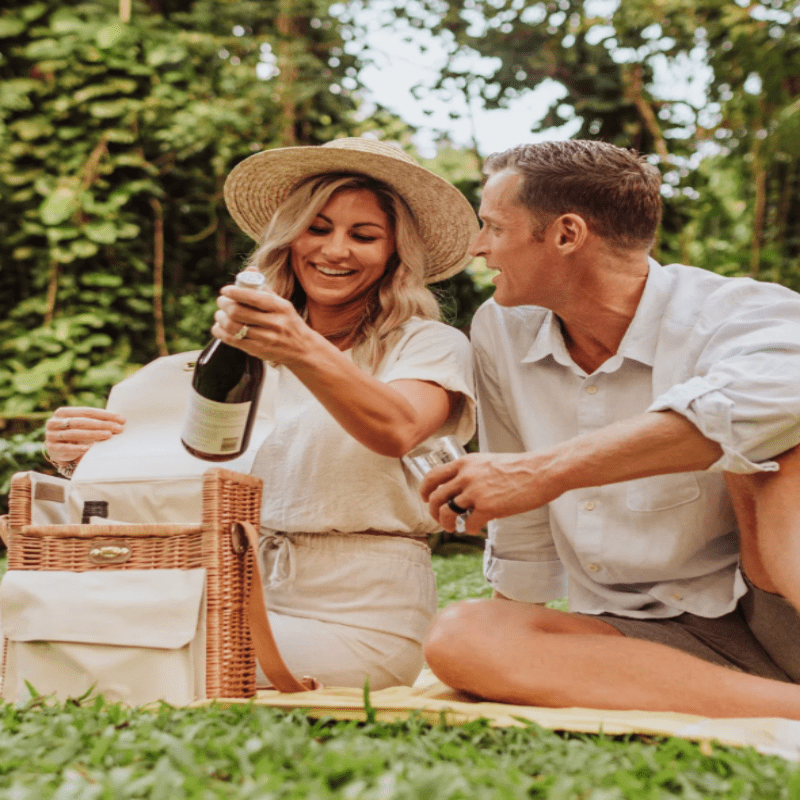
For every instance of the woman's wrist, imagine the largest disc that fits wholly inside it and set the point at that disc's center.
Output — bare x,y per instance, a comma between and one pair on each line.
64,468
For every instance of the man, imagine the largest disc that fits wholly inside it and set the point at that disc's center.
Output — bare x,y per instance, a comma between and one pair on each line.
625,409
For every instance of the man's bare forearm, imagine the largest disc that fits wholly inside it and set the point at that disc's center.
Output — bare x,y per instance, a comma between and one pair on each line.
502,484
654,443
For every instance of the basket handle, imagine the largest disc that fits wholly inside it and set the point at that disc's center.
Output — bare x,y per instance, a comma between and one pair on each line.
264,643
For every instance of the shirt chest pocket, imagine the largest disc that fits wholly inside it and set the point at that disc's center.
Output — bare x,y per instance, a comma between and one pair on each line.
662,492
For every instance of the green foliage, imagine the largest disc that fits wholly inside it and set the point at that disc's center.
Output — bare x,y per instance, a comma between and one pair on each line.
460,295
20,452
98,751
115,140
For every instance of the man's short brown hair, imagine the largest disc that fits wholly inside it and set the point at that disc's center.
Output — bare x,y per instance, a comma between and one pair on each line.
615,190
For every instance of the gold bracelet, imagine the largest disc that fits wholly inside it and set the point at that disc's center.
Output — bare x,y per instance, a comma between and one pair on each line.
64,469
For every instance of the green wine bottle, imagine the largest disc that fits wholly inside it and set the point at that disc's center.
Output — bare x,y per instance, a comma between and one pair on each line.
225,390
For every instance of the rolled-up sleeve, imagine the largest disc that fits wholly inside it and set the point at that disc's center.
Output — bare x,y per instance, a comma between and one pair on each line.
520,559
745,391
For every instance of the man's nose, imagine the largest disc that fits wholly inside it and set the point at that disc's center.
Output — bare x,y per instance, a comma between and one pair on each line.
477,246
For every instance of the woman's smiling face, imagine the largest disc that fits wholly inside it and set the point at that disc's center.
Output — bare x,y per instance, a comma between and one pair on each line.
344,252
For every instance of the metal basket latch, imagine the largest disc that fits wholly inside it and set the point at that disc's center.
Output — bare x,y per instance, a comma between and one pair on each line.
109,553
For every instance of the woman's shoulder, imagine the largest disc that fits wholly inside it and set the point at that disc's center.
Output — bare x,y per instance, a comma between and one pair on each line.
427,342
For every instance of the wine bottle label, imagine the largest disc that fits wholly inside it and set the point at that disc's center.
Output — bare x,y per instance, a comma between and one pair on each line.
214,428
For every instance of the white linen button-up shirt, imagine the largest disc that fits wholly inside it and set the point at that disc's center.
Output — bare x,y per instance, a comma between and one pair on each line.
723,352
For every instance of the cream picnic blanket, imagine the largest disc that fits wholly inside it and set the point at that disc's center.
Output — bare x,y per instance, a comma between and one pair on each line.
436,702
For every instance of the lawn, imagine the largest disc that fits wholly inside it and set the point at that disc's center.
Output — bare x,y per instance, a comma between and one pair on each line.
97,751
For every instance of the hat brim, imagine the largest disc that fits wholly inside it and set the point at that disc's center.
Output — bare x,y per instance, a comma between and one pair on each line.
257,186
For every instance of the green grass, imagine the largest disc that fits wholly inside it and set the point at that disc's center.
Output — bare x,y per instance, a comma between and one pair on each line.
106,752
459,577
97,751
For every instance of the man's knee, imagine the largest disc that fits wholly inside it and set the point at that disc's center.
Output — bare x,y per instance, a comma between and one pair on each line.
450,630
768,516
471,637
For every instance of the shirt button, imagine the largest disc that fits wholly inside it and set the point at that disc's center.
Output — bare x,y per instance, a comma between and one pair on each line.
593,568
591,389
589,505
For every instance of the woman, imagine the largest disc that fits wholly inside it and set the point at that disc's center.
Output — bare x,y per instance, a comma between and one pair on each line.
348,234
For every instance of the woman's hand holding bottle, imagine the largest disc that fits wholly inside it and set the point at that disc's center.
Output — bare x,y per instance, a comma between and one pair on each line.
273,330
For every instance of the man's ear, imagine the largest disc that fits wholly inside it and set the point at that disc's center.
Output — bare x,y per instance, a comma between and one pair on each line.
570,232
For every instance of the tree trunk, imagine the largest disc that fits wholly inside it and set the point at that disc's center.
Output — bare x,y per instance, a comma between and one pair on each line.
158,276
287,77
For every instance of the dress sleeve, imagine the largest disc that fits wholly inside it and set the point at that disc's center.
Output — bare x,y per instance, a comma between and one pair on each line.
438,353
520,559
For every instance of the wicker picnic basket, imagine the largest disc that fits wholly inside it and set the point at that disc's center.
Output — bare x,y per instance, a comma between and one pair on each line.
229,499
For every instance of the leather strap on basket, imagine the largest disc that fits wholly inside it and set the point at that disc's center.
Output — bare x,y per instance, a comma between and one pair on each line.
266,649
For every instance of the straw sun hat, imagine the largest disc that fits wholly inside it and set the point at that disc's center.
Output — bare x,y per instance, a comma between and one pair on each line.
259,184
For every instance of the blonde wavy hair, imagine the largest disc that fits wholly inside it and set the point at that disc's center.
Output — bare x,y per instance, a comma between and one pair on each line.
398,295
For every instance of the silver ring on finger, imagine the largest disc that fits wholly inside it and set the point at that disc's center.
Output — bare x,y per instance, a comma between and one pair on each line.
65,424
461,515
461,521
241,333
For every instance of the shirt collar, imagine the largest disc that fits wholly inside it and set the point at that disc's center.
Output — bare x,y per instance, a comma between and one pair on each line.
639,342
641,339
548,342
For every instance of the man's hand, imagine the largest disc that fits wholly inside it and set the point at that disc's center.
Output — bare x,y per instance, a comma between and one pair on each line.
492,485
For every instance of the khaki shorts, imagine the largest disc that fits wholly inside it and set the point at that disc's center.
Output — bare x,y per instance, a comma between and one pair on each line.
346,607
761,636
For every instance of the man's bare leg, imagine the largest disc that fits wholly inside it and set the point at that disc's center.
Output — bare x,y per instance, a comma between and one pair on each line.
522,653
767,506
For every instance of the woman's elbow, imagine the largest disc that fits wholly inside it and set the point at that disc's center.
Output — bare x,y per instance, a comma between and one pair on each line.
397,442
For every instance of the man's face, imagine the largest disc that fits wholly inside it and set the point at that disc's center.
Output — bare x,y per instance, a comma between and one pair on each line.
507,243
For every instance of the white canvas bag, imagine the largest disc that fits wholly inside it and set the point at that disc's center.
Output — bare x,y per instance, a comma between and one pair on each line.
135,636
144,473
